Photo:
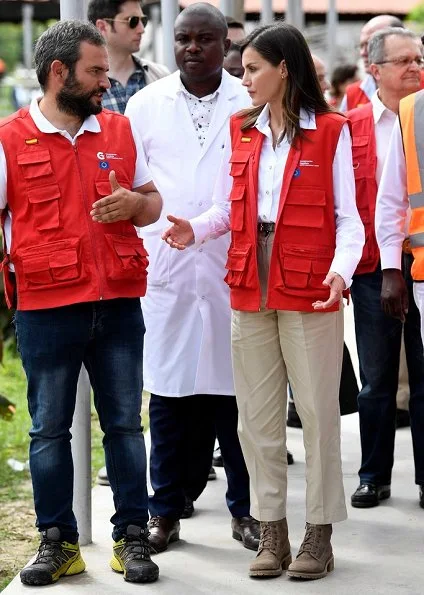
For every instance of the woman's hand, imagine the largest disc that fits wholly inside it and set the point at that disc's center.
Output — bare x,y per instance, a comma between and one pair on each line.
180,234
336,284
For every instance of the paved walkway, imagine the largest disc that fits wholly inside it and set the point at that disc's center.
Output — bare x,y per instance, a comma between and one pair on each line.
379,550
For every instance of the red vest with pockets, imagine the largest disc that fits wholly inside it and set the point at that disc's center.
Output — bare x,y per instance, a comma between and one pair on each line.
305,232
61,256
364,153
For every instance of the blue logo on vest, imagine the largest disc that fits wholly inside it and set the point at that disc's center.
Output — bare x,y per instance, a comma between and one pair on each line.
104,165
296,173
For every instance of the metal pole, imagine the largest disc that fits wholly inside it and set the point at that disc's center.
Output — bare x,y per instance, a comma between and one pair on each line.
227,7
81,428
27,14
332,20
169,10
267,14
81,454
295,14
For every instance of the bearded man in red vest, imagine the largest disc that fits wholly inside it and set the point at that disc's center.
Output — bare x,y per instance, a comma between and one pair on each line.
72,187
395,63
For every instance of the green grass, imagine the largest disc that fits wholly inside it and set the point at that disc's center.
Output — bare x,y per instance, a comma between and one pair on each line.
18,536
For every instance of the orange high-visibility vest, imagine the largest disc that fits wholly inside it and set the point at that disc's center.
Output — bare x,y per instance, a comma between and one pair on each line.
305,231
411,116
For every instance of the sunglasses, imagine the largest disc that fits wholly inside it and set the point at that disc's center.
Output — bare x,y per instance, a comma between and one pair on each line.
132,22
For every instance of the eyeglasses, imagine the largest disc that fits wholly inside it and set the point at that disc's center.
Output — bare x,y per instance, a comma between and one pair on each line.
132,22
404,62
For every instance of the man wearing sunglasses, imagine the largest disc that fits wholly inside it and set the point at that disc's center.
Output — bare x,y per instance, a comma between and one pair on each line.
122,25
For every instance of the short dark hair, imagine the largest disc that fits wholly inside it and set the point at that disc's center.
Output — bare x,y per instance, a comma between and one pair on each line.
233,24
281,41
62,42
103,9
205,9
341,74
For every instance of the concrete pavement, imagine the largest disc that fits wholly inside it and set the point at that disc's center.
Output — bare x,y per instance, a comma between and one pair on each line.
377,551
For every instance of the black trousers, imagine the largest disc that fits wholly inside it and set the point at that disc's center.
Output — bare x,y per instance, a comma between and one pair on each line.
183,431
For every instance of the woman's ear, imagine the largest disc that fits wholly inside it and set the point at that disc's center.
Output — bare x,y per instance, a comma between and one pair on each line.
283,69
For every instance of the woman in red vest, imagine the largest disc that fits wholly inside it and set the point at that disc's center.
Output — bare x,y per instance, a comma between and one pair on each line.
286,191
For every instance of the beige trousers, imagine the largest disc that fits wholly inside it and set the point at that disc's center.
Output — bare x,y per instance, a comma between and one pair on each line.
270,347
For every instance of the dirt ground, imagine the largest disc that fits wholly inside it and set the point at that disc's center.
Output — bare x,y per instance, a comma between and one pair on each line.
18,535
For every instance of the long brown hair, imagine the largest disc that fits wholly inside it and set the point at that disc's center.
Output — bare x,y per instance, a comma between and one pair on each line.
278,42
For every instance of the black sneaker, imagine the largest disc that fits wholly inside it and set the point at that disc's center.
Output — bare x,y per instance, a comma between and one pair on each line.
131,555
55,558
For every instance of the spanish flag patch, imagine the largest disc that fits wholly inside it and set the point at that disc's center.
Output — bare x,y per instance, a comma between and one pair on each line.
31,141
245,139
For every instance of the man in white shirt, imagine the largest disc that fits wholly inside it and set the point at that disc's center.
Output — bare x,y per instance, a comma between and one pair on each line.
395,63
360,92
182,121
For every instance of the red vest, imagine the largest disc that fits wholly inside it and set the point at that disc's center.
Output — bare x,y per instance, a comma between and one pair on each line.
355,97
61,256
305,232
364,153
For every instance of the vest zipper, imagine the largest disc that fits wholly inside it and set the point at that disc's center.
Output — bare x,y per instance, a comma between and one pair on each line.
92,235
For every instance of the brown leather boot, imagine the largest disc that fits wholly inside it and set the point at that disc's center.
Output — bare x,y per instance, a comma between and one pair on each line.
274,554
315,558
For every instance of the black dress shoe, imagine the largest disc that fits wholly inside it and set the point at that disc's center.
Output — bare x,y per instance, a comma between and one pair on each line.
217,458
188,508
368,495
102,478
293,420
290,459
422,496
402,419
248,530
162,531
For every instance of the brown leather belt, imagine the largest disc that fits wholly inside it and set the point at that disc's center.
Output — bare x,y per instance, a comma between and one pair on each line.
406,246
266,227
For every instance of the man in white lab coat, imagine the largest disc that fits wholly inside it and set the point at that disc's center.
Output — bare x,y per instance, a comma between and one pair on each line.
182,121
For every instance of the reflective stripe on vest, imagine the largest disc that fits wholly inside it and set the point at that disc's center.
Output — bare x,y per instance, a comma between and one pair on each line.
411,114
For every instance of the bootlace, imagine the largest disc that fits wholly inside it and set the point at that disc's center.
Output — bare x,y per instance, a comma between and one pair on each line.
136,548
311,540
268,537
154,521
50,552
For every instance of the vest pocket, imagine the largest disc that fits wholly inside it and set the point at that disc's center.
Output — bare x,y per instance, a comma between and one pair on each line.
128,258
238,162
303,268
50,264
296,272
35,163
237,208
237,266
44,201
360,155
304,207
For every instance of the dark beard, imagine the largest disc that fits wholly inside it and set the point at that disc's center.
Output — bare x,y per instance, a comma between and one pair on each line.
72,100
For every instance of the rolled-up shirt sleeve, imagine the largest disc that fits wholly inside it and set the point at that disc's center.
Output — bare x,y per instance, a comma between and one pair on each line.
350,234
392,203
214,222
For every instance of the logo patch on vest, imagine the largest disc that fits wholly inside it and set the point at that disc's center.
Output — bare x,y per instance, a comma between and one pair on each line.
31,141
296,173
245,139
103,165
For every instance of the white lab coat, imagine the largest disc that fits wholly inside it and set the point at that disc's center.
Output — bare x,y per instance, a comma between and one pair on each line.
186,308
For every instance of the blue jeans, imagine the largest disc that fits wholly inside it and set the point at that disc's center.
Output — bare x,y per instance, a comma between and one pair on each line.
107,337
378,339
183,431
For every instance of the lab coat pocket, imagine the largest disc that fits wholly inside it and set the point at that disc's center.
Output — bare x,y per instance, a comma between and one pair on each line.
159,259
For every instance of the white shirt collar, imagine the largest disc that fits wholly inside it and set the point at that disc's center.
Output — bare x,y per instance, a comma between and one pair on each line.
379,109
306,120
90,124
